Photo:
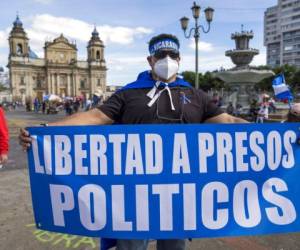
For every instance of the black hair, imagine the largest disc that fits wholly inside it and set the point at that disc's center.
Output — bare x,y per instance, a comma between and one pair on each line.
163,36
293,117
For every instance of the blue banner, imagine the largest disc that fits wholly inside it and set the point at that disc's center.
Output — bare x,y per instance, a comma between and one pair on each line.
166,181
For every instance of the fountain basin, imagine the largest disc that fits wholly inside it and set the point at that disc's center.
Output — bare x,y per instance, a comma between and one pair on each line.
242,57
244,75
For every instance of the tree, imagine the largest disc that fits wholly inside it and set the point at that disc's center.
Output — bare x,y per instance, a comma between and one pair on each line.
189,76
291,74
207,80
2,87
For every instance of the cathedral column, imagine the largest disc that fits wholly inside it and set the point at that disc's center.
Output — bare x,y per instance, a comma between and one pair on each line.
69,85
49,83
53,84
57,85
73,84
14,85
78,78
28,85
92,84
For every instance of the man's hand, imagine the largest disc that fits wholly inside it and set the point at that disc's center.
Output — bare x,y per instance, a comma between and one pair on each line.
225,118
3,158
91,117
24,139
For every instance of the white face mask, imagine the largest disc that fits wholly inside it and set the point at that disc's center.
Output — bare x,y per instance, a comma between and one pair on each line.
166,68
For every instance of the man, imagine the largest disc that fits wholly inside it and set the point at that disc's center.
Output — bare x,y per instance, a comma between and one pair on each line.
230,109
294,113
3,138
157,96
36,104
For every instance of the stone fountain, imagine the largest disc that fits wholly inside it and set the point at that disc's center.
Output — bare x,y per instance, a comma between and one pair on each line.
242,77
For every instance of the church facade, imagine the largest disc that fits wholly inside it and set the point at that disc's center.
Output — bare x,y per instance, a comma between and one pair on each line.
59,72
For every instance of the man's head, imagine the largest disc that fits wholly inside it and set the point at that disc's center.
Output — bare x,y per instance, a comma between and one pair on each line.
164,56
294,113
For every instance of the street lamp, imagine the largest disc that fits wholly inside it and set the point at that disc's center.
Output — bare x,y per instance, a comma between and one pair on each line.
196,29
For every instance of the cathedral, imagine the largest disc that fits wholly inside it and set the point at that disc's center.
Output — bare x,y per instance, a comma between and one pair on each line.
59,72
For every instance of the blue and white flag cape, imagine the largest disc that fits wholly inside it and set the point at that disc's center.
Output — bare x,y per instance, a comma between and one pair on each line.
145,80
281,90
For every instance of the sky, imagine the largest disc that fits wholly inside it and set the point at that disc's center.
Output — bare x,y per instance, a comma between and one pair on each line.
126,26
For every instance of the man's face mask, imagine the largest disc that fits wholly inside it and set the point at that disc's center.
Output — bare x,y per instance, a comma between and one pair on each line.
166,68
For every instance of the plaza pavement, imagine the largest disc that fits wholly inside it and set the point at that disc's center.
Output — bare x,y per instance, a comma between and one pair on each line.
17,228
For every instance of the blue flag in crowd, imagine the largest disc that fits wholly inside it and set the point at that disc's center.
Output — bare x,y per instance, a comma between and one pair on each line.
282,91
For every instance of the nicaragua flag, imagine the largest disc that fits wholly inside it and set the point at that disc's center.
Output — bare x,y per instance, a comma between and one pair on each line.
281,90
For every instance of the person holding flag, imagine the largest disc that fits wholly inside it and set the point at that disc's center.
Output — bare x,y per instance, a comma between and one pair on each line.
281,89
158,96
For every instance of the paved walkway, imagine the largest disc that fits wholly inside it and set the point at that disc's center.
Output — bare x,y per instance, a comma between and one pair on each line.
17,229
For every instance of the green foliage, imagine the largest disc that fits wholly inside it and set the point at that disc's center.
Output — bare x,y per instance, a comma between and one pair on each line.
291,74
207,80
2,87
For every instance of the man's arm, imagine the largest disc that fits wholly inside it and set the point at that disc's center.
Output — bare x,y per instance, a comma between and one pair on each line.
92,117
225,118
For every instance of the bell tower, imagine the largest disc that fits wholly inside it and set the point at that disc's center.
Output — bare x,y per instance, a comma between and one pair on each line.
18,41
95,48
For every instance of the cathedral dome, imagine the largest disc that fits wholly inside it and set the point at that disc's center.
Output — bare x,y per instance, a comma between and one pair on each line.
17,22
95,32
95,39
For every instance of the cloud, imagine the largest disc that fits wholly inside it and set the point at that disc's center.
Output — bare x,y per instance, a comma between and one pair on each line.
216,60
3,59
206,63
46,26
124,68
202,46
3,39
260,59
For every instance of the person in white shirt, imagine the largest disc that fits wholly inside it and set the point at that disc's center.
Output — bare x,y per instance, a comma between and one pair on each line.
263,114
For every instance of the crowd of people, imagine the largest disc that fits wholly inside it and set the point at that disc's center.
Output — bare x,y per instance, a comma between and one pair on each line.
259,110
71,105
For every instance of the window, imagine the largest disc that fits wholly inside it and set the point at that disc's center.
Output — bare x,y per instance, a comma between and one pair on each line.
38,83
22,80
288,47
295,17
98,55
82,84
271,16
98,82
19,49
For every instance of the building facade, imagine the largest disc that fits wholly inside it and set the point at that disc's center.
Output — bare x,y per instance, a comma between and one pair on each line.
59,72
282,33
5,96
4,77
